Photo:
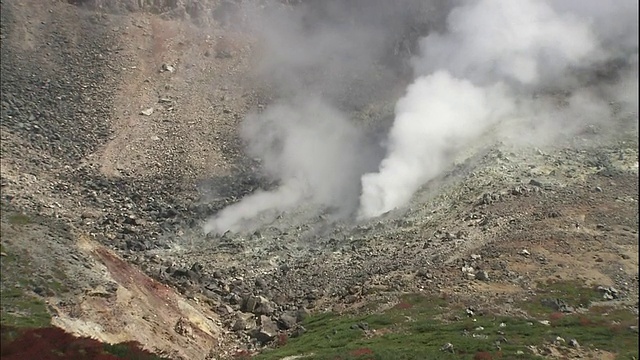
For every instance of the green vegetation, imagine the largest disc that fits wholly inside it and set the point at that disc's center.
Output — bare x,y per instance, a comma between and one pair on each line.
130,350
414,330
20,306
571,293
19,309
19,219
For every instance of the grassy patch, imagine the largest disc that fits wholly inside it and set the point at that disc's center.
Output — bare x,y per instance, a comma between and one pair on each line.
19,308
570,293
19,219
413,329
22,310
24,284
130,350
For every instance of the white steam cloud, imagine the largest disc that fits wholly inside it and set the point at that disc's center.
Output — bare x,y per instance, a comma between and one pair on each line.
525,70
438,115
302,144
522,46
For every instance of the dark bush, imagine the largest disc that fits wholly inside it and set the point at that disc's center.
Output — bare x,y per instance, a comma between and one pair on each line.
52,343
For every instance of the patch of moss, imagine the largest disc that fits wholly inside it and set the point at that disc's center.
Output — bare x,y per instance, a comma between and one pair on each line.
19,219
21,310
130,350
413,330
571,293
17,307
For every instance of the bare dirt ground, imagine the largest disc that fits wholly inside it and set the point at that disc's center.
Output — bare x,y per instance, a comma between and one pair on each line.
103,203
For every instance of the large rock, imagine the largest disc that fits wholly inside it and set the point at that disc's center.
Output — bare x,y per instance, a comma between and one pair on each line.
287,321
243,322
267,331
259,305
482,275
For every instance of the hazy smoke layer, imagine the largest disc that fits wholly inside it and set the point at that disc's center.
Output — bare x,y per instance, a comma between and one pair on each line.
528,47
317,58
529,70
340,49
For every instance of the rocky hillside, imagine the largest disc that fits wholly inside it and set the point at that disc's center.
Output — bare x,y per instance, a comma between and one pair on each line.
119,138
88,180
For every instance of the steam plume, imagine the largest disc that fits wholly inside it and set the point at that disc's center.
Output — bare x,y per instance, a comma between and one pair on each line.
312,150
438,114
495,64
525,46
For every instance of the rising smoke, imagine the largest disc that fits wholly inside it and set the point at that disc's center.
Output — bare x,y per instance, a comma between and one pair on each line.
493,64
523,46
438,114
316,162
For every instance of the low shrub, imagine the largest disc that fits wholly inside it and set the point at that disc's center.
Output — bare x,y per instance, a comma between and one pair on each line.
52,343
